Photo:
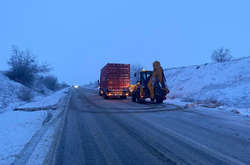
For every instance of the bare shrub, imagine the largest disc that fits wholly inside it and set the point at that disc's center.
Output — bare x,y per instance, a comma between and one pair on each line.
221,55
212,101
51,82
235,111
65,85
24,67
134,72
25,94
187,99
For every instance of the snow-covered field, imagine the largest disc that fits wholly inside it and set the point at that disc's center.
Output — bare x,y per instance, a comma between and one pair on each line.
18,127
225,84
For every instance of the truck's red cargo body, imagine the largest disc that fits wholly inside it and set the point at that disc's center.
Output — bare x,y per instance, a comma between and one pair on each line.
115,80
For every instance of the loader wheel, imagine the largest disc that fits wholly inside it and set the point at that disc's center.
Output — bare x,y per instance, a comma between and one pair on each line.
133,99
141,101
133,96
159,100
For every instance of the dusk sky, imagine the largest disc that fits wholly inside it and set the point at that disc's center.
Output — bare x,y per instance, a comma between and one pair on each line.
79,37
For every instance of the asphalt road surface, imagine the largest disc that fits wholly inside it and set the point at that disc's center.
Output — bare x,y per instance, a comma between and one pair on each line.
119,132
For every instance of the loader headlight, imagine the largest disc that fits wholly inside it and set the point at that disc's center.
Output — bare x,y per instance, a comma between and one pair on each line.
76,86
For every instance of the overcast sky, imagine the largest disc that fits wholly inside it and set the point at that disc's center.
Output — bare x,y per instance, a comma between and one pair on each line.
78,37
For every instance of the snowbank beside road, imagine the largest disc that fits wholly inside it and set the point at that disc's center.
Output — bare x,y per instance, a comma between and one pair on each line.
44,102
225,83
202,106
18,127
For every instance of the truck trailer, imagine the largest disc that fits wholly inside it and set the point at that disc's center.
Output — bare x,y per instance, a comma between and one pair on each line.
114,81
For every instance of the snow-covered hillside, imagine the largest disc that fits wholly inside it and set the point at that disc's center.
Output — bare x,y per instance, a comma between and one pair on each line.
18,127
8,91
227,83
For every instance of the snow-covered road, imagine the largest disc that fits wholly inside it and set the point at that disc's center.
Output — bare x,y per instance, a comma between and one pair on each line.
98,131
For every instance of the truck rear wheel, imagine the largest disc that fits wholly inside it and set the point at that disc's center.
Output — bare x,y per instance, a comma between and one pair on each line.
140,100
133,99
123,97
105,96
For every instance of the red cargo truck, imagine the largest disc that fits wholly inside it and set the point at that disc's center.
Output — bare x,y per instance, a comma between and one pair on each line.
114,81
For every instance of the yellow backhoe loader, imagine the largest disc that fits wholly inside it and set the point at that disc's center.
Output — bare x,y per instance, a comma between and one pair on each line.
151,84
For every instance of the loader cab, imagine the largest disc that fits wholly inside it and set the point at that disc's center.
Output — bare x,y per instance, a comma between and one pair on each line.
145,77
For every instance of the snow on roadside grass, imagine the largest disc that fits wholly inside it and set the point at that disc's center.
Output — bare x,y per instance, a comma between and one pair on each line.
175,101
186,105
48,101
241,111
18,127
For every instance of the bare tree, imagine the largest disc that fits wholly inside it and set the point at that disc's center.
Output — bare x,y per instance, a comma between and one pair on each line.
221,55
135,72
24,66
